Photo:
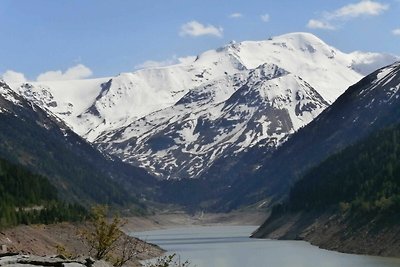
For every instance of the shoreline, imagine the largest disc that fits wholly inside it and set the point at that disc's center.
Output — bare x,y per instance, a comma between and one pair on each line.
181,219
332,232
273,243
42,240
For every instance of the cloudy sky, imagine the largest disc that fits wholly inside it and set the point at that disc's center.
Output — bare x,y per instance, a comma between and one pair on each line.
71,39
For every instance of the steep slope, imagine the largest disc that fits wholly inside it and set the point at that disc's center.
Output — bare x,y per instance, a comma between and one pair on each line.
41,142
161,118
365,107
65,99
359,188
268,106
117,101
224,116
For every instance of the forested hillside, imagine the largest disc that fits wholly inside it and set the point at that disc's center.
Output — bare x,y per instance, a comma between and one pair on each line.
361,178
29,198
352,198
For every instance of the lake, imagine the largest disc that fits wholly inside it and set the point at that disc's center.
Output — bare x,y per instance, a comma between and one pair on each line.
230,246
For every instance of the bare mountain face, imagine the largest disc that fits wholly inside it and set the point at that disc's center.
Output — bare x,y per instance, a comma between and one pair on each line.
178,121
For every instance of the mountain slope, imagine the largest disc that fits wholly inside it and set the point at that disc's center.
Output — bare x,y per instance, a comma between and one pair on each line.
229,114
29,198
178,121
41,142
267,107
365,107
360,189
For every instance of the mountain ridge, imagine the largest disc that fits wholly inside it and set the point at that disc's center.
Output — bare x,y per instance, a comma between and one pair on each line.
367,106
180,100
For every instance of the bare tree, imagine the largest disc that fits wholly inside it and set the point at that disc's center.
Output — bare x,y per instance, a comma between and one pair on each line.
130,248
107,241
103,235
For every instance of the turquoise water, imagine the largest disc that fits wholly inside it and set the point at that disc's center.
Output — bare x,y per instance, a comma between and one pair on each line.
229,246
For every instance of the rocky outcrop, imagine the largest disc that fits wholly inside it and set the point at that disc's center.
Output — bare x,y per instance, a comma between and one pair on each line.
54,261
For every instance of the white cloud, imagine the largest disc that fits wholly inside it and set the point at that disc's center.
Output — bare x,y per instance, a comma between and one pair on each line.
236,15
11,76
265,17
73,73
396,32
318,24
363,8
76,72
195,29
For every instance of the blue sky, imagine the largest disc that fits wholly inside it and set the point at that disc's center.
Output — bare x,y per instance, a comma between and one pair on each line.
94,38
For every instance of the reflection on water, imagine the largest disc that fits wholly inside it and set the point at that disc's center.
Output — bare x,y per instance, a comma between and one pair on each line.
229,246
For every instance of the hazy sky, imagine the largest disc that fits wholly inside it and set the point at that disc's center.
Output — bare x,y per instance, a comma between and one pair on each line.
67,39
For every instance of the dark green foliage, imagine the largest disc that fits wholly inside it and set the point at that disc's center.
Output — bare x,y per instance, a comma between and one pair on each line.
363,178
43,151
27,198
23,187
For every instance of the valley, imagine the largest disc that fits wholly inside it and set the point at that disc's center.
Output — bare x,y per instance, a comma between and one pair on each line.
176,121
288,133
193,125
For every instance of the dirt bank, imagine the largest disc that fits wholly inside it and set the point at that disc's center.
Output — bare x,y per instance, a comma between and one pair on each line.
43,240
334,232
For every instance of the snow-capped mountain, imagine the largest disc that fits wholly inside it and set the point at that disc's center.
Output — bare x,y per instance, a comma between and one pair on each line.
175,121
366,107
184,140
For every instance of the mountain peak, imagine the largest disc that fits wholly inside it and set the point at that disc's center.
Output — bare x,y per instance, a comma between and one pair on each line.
305,37
193,113
304,42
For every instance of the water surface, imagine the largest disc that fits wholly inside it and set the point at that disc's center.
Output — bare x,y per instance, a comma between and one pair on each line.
229,246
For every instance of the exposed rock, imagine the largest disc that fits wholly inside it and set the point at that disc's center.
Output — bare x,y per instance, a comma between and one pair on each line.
32,260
